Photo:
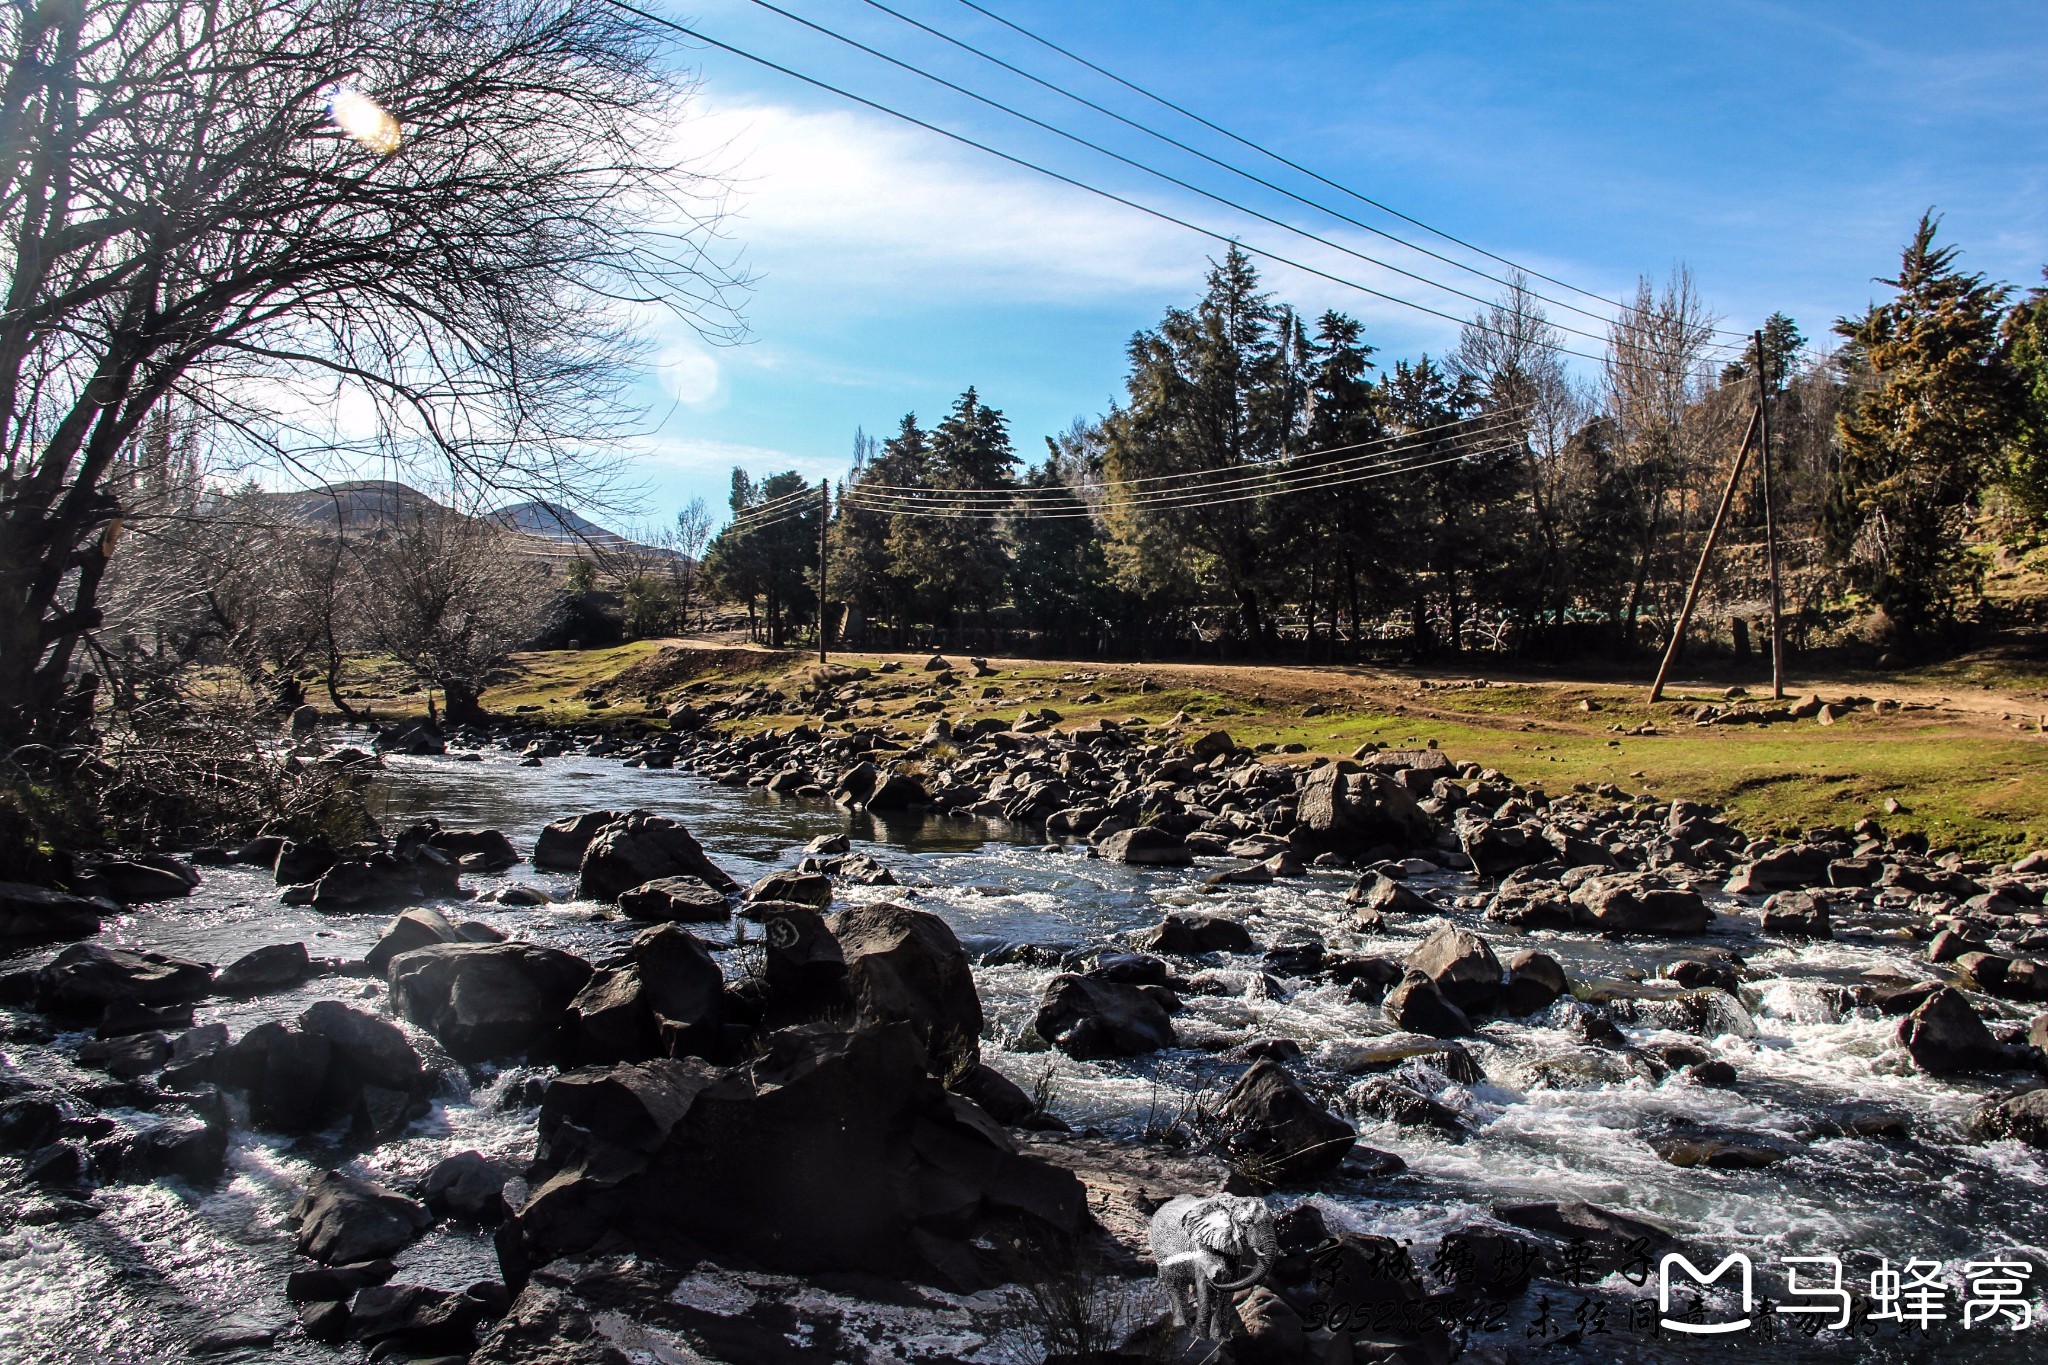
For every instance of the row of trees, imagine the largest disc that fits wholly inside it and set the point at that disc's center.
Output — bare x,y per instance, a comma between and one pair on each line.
1488,499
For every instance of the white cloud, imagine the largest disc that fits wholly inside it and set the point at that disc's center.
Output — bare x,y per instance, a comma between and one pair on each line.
691,374
699,456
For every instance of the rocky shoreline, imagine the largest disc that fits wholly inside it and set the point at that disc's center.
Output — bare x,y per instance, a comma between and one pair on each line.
817,1105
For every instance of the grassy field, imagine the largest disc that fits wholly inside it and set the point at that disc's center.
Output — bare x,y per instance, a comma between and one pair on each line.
1963,760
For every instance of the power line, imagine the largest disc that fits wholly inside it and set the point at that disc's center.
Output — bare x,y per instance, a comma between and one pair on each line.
1500,415
1296,166
1154,171
1242,173
1099,192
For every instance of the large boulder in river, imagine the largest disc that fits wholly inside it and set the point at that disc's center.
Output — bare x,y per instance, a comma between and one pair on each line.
1088,1017
561,844
143,878
1498,847
413,871
1946,1035
802,888
88,977
642,848
490,849
1463,967
834,1151
668,999
691,899
1349,812
34,912
411,929
1193,935
1639,903
907,966
274,967
484,1000
332,1062
1276,1131
1417,1005
1147,846
343,1220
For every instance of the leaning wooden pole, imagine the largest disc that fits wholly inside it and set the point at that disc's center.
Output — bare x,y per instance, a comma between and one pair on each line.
1763,447
1699,574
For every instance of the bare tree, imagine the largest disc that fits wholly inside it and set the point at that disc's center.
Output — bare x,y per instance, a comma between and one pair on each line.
450,597
448,207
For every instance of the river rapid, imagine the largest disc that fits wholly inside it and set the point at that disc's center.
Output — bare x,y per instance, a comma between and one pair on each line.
169,1270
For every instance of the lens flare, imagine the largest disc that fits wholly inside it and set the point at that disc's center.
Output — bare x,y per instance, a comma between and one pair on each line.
363,119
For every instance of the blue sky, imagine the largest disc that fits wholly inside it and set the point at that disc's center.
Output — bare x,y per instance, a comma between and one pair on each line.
1783,152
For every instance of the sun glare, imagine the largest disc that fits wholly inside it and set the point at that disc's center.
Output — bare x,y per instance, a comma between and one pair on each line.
363,119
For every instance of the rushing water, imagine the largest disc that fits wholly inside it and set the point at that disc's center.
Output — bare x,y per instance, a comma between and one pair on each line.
168,1263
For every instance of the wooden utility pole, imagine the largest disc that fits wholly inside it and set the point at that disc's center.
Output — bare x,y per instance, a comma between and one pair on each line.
1699,574
1763,413
824,521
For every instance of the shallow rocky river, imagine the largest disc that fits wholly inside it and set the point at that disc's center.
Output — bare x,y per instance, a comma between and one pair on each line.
168,1268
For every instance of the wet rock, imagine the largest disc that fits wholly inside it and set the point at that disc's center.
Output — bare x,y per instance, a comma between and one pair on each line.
1944,1034
905,965
1352,812
1713,1073
1860,1119
690,899
127,1058
1193,935
276,967
34,913
1722,1149
139,880
1640,903
1294,959
416,737
1275,1132
1535,981
1576,1220
331,1284
1271,1331
642,848
1418,1006
1781,869
1462,966
547,1327
1005,1100
833,1150
419,928
2023,1116
1950,944
122,1018
1482,1260
88,977
414,1318
342,1219
1376,896
1797,914
492,851
484,1000
1147,846
414,871
668,999
1496,849
333,1061
468,1185
296,862
800,888
1385,1097
1695,973
561,845
1089,1018
188,1148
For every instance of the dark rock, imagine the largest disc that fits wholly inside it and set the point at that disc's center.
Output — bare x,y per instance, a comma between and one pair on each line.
1789,868
1086,1017
330,1284
833,1151
1377,895
690,899
1147,846
484,1000
1418,1006
800,888
342,1220
492,851
88,977
1463,967
414,872
35,913
561,845
1193,935
1797,914
1722,1149
1273,1333
1535,982
123,1017
1294,959
547,1327
1575,1220
1342,812
468,1185
1638,903
297,862
1945,1035
126,1058
642,848
137,881
414,1317
333,1061
2023,1116
1387,1098
1695,973
276,967
1275,1132
1497,849
1713,1073
905,965
420,928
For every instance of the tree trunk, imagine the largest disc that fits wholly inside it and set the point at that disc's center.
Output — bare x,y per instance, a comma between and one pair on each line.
464,706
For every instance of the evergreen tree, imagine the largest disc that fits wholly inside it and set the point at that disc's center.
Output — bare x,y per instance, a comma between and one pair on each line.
2026,340
771,566
1782,343
864,571
1926,439
959,561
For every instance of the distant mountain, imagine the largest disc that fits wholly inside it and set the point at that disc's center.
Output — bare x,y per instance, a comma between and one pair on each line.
557,522
363,506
